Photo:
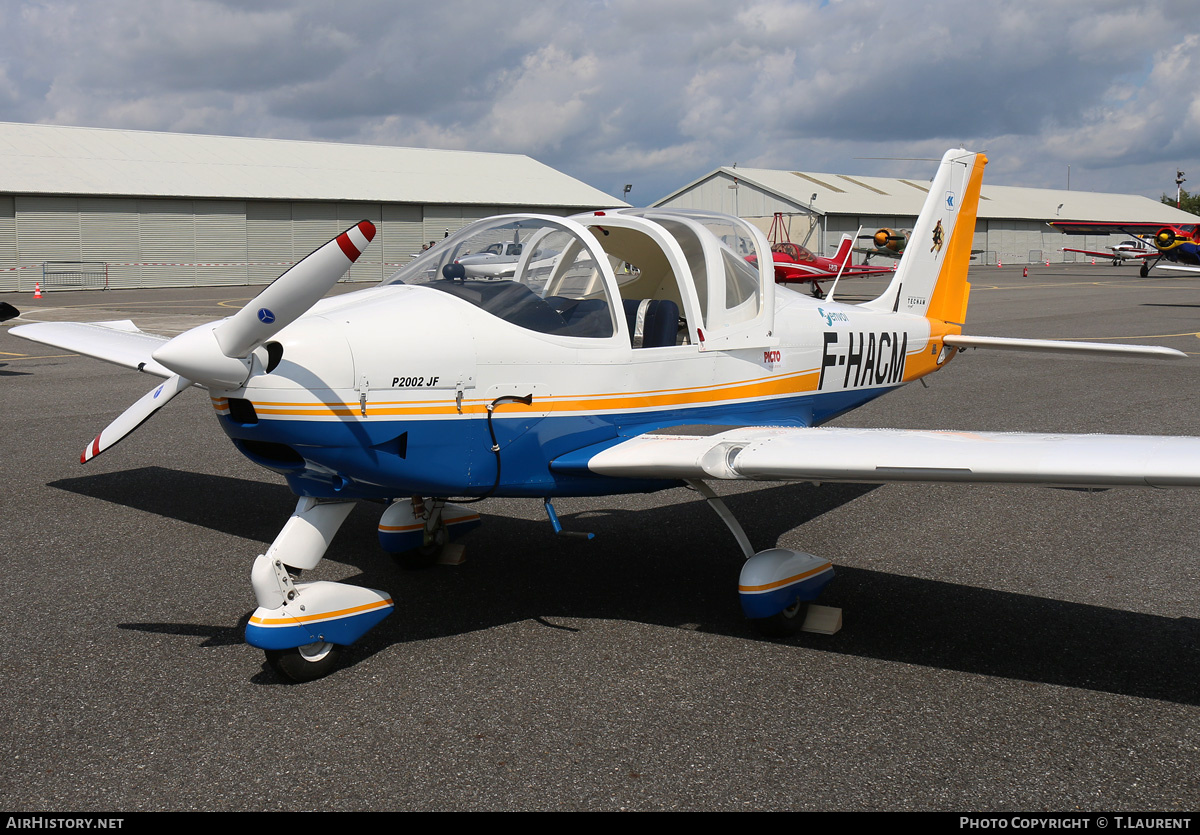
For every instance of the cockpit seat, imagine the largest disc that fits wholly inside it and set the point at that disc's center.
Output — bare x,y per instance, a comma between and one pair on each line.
512,302
582,317
653,323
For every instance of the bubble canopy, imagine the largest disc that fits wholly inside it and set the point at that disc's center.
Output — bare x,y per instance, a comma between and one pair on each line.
691,275
536,272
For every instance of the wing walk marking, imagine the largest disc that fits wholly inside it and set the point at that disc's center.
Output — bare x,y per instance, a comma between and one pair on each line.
786,581
366,607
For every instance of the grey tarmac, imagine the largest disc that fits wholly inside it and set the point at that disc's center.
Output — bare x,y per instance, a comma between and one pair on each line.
1003,648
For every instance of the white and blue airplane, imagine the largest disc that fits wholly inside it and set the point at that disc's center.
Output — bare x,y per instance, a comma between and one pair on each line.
439,388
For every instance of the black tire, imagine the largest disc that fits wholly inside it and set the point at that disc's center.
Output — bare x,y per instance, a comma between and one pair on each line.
418,559
785,624
1145,271
305,663
425,556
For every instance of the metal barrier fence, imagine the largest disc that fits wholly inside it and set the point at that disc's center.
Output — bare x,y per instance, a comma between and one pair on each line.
76,275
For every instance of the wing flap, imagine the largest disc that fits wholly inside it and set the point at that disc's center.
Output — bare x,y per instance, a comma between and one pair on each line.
882,455
116,342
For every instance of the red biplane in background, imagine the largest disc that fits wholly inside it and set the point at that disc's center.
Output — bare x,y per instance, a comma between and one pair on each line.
796,264
1178,244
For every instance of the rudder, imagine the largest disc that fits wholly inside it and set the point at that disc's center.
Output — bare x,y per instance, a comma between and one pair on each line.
931,278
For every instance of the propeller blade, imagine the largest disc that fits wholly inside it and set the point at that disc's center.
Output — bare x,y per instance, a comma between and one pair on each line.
291,295
214,356
135,416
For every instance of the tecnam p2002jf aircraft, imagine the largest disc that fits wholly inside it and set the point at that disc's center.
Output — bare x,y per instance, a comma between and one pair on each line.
567,377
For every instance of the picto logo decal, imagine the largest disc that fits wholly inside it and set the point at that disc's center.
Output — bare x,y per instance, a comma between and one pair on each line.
869,359
772,358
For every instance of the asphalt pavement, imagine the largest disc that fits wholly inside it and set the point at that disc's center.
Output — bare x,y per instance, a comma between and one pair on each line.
1003,648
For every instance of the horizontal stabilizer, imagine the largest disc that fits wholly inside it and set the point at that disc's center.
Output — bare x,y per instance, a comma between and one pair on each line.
112,342
882,455
1058,346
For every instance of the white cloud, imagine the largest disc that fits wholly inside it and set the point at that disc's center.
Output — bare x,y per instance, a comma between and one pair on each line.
664,89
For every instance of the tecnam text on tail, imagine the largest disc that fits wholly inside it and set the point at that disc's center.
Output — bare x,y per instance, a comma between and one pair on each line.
619,352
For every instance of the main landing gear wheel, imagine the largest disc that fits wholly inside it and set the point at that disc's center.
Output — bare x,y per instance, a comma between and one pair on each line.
1145,271
425,556
306,663
784,624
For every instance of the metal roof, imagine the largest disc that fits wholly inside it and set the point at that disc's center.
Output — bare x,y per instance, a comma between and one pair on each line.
843,194
55,159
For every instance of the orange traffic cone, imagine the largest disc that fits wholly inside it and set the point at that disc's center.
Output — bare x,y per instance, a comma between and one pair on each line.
37,289
998,264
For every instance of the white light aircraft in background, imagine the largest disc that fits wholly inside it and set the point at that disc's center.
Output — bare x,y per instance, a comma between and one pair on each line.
1131,250
437,388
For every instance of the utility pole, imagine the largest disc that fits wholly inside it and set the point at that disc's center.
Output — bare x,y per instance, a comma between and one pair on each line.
1179,181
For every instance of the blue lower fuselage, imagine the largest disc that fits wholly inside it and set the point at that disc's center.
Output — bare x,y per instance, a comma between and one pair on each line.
540,456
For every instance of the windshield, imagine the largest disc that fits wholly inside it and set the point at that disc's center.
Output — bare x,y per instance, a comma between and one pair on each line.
530,271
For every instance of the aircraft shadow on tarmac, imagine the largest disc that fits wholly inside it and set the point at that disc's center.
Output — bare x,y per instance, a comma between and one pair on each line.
676,565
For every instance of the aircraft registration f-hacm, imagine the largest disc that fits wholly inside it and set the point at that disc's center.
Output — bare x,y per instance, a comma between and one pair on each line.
435,389
1177,244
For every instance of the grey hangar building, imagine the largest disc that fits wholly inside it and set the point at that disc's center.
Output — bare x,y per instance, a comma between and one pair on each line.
1011,226
90,207
96,207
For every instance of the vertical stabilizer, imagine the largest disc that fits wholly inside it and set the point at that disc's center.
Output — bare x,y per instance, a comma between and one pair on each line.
843,251
931,278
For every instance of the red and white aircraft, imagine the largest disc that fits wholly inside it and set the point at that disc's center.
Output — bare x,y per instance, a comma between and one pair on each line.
567,379
796,264
1177,244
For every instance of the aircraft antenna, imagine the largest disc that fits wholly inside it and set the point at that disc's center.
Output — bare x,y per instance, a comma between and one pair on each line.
849,257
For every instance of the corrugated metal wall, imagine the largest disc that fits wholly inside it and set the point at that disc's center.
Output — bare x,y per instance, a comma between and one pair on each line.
10,272
183,243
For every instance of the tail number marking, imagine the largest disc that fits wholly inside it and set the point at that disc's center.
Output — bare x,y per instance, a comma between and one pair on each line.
868,359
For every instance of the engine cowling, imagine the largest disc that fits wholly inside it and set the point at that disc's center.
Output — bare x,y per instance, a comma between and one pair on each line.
890,239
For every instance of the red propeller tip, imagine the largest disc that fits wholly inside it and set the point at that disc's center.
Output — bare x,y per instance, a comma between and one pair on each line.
349,246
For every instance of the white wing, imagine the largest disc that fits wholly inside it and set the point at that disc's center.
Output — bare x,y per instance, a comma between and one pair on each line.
878,455
117,342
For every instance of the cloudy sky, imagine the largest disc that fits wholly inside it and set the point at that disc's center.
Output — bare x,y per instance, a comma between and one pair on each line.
650,92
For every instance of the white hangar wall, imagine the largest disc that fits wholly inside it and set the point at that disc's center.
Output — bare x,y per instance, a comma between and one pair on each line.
243,210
